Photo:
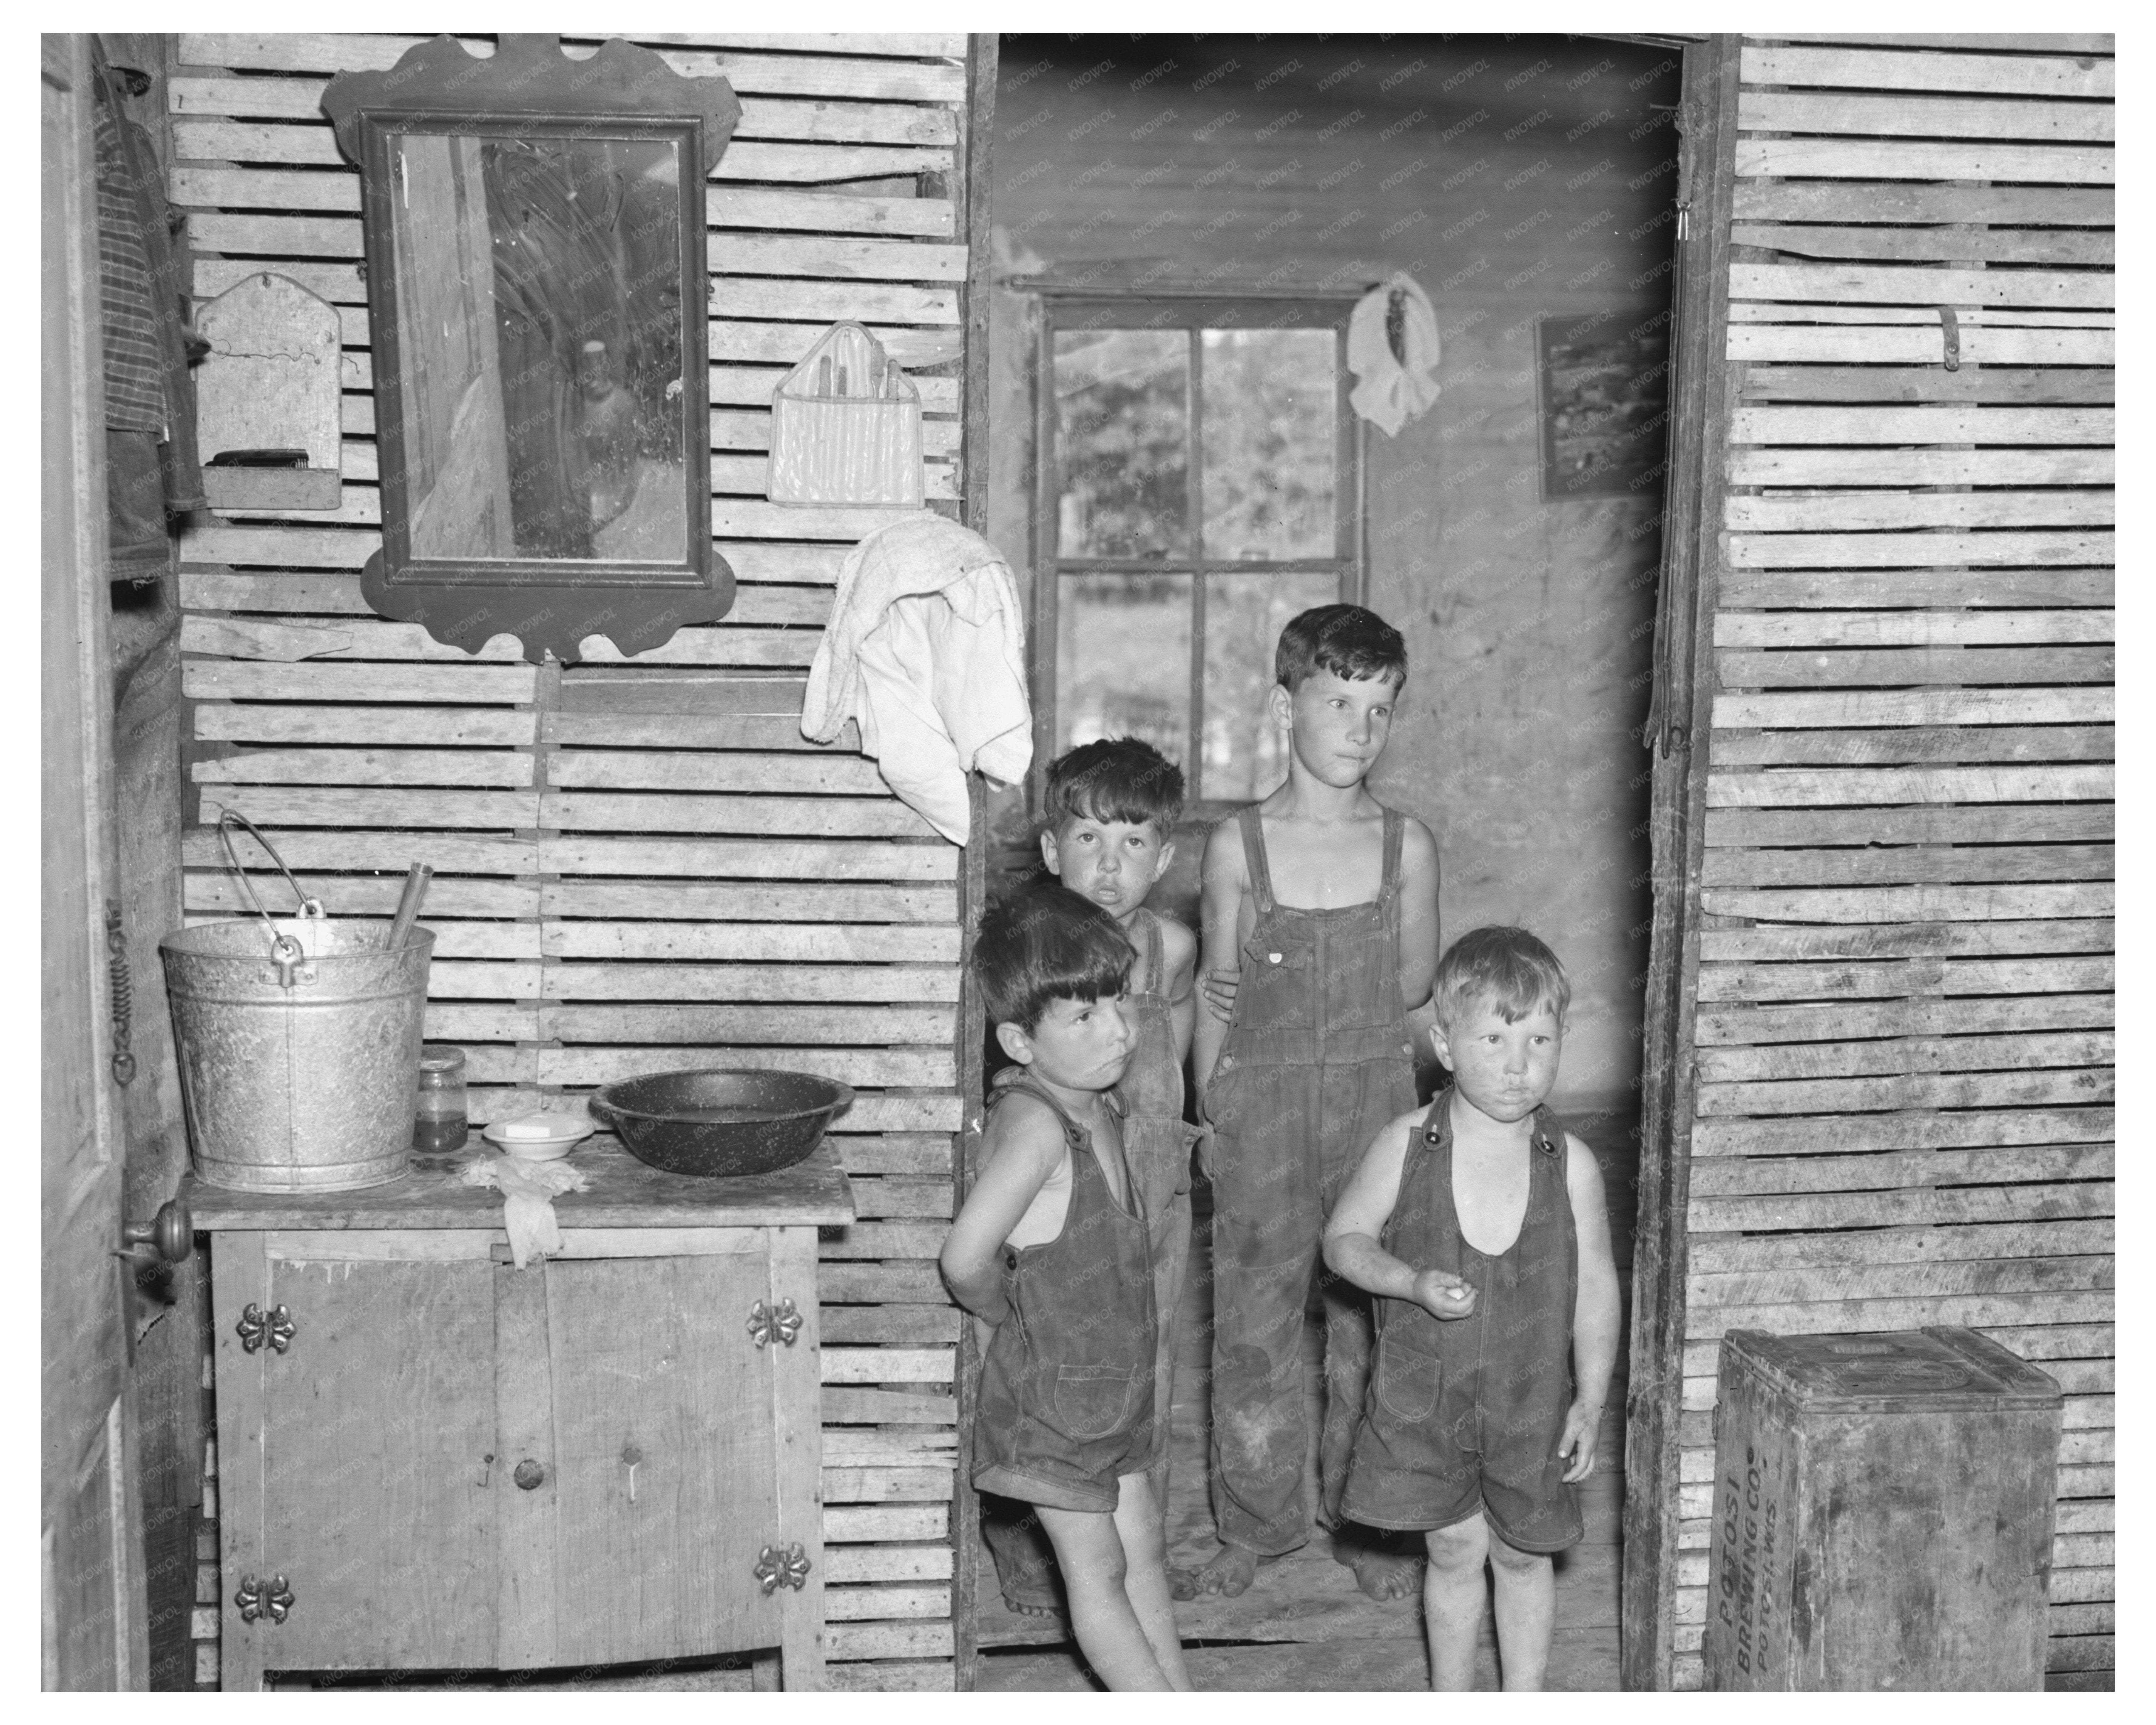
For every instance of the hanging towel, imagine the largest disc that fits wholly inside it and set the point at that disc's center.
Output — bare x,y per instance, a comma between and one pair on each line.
1392,350
925,651
528,1190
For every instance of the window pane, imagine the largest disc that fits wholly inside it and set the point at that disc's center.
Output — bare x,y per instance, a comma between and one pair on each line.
1270,442
1123,418
1246,757
1123,660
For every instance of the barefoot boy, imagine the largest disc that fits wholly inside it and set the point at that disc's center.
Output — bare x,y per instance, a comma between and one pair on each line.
1111,808
1480,1225
1328,901
1052,1249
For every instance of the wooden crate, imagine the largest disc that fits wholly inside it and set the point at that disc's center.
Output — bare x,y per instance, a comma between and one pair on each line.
1882,1513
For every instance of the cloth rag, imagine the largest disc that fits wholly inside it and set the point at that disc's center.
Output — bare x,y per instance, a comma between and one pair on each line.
528,1190
1393,350
925,652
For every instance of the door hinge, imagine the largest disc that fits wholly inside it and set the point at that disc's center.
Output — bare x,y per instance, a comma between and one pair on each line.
766,1323
272,1599
782,1566
1684,219
275,1328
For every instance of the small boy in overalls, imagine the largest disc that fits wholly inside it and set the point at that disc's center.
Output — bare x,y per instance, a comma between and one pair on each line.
1052,1251
1479,1226
1326,901
1111,810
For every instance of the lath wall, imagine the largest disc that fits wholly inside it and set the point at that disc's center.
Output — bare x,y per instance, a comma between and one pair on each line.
1902,1040
641,864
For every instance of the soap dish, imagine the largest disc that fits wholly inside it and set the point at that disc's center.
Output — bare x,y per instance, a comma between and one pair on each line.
543,1137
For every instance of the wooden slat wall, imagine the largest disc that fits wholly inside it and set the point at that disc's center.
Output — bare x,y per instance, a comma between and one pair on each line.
641,864
1903,1038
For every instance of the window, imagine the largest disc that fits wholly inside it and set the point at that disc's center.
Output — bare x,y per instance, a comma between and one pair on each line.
1197,488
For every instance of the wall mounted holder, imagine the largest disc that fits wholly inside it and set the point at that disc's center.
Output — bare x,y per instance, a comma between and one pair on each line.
845,427
268,397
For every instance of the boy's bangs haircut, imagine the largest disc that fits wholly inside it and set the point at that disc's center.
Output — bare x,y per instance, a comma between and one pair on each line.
1507,968
1046,943
1116,779
1347,640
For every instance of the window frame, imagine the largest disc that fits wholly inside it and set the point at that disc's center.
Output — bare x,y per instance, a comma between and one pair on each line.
1063,309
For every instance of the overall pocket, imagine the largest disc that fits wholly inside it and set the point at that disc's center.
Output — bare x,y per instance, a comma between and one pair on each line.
1094,1401
1276,986
1217,1105
1407,1378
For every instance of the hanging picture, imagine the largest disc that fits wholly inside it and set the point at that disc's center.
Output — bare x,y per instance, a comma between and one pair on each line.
1603,387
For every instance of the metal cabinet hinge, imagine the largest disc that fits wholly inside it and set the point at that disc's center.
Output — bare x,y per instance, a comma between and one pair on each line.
782,1566
272,1599
781,1321
275,1328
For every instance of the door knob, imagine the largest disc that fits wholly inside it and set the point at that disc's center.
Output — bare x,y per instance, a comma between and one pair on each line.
170,1236
530,1475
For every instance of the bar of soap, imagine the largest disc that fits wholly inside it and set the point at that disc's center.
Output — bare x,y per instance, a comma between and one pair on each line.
531,1126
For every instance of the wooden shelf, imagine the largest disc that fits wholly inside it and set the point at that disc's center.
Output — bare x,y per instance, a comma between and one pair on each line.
625,1194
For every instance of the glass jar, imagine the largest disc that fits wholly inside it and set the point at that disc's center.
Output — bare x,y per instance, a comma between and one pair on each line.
442,1119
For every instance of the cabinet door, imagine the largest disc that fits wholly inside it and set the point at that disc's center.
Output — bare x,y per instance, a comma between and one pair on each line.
655,1438
376,1433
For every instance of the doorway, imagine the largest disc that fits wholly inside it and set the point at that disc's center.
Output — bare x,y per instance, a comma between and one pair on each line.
1155,202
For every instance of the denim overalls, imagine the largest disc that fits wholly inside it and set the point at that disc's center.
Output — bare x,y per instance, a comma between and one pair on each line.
1466,1413
1156,1143
1318,1057
1066,1403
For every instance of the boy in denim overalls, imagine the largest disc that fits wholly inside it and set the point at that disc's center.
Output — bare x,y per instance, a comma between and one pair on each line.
1111,810
1052,1251
1326,901
1480,1225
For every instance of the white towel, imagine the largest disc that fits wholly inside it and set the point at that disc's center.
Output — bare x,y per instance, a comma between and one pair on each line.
528,1190
925,651
1392,387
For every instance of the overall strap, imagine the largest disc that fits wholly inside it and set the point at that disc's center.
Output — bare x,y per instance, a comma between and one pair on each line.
1388,876
1152,958
1018,1077
1254,857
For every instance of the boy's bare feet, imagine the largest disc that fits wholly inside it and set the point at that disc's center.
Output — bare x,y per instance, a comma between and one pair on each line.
1386,1567
1027,1608
1229,1572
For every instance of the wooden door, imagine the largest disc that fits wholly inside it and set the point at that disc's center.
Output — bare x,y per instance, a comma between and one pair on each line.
93,1619
1880,1088
655,1423
359,1463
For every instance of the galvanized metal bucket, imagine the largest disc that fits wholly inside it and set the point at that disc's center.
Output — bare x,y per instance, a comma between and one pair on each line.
299,1044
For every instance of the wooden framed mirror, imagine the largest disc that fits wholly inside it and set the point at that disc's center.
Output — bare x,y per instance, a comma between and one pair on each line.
535,240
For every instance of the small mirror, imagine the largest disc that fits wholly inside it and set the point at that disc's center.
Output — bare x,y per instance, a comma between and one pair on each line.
535,270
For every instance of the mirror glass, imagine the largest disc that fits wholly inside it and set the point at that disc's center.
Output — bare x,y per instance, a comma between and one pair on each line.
541,346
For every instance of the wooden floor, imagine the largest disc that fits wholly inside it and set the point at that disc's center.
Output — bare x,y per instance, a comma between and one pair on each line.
1304,1625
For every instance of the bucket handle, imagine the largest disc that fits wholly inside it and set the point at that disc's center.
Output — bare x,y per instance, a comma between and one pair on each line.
285,952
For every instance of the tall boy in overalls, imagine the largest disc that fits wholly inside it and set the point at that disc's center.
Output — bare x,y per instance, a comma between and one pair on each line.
1326,901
